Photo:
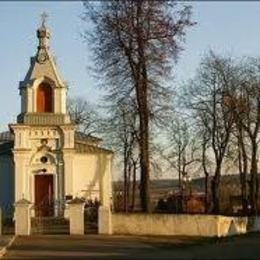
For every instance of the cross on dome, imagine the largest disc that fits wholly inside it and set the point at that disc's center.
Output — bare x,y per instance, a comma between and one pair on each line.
44,17
43,35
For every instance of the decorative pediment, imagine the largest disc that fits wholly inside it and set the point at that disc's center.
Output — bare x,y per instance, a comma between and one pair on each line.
43,157
44,148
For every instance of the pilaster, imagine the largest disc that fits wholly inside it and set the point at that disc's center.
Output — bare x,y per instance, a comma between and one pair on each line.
68,158
21,161
105,162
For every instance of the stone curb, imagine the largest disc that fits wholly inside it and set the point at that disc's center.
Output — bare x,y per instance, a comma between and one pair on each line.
4,249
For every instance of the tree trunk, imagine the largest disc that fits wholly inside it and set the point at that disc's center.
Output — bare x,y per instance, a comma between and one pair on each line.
254,179
125,183
144,148
143,111
206,173
128,184
145,164
242,160
206,193
134,185
215,189
179,171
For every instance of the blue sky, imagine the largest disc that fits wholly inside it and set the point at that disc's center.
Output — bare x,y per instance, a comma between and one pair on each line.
226,27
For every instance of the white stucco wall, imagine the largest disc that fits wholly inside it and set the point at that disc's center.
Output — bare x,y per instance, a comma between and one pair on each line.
6,183
85,177
177,225
91,176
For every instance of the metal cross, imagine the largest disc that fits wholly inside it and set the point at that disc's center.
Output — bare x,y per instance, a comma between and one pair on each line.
44,17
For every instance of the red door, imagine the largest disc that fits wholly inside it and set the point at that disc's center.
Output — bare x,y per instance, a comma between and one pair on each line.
44,195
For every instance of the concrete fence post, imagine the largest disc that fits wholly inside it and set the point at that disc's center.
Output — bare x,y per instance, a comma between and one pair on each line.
23,217
76,216
104,220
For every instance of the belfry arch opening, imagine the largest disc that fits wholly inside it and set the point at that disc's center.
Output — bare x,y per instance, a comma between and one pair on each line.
44,98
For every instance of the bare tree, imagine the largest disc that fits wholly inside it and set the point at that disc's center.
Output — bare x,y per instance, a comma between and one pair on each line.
207,94
120,132
84,115
133,43
245,100
181,150
238,147
128,140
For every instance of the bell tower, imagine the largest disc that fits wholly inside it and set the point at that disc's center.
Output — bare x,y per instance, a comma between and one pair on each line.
44,144
43,93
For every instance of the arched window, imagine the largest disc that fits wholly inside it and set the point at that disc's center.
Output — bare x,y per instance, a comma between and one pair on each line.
44,98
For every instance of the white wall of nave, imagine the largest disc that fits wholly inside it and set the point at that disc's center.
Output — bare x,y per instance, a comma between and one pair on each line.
85,178
91,176
6,182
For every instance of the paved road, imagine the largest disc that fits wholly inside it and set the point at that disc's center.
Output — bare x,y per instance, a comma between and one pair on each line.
125,247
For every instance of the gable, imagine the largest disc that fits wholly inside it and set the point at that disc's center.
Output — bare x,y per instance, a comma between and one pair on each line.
38,70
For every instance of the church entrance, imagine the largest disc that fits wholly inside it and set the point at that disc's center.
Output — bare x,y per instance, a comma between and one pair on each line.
44,196
45,220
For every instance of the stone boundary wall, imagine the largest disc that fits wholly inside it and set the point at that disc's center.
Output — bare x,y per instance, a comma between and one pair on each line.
254,224
178,225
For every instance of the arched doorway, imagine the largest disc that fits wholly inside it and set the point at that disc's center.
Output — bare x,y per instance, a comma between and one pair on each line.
44,98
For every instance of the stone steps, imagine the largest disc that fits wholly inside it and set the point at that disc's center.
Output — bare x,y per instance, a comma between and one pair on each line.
50,225
57,225
91,228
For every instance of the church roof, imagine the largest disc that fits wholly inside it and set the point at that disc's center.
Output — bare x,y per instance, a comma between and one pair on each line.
80,136
6,148
86,148
6,137
6,142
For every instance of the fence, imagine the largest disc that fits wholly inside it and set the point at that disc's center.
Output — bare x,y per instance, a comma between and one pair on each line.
178,225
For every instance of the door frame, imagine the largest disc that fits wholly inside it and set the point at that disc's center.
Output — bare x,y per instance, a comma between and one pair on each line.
55,194
43,184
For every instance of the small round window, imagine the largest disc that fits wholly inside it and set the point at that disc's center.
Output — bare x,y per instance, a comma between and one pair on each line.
44,159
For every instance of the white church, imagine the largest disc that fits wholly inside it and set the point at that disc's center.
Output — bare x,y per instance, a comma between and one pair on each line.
43,159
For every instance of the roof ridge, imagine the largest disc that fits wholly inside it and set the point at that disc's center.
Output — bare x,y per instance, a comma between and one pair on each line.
80,133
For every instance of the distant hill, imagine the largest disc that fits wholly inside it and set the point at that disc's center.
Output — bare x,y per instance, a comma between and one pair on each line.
161,188
197,184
